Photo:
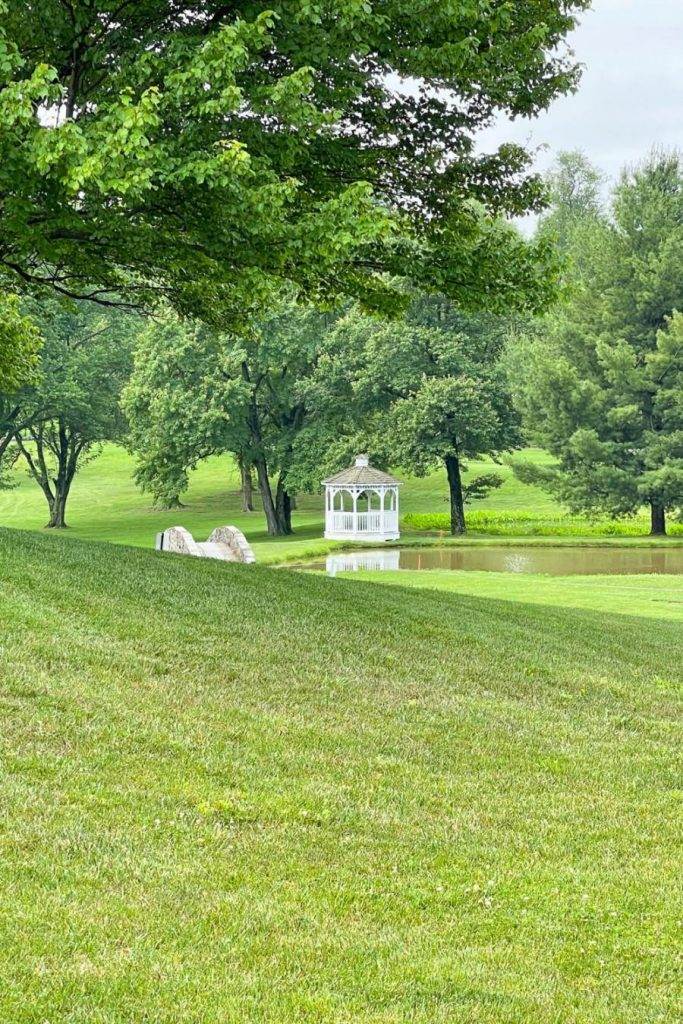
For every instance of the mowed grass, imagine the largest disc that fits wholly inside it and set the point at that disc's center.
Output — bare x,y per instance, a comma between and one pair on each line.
655,597
233,793
106,505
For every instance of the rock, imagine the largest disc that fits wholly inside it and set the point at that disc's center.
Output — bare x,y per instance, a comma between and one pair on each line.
226,543
234,539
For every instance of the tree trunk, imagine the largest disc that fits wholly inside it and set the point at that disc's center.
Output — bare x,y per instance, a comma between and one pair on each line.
58,508
275,525
657,520
283,505
455,494
247,485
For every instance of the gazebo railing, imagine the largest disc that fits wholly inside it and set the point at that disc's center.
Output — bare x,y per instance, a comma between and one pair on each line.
364,522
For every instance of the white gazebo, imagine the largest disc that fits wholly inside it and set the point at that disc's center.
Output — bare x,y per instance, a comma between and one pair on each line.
361,503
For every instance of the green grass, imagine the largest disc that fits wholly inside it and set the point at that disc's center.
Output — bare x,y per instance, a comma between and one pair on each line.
106,505
659,597
233,793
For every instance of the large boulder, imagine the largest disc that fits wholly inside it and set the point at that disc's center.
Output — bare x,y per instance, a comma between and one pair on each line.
226,543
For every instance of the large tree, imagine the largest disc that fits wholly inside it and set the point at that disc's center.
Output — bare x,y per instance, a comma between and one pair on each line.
600,381
72,406
205,151
421,392
195,392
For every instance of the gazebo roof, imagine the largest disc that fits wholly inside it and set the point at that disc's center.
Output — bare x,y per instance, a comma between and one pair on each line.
362,474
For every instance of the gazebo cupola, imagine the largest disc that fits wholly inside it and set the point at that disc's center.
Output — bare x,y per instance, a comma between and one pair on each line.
361,503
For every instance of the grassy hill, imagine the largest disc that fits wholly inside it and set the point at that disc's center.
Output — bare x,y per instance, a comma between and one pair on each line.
242,794
106,505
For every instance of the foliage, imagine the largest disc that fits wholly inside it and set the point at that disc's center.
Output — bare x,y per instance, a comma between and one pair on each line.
207,152
574,187
20,342
479,487
73,405
600,382
194,393
185,400
419,392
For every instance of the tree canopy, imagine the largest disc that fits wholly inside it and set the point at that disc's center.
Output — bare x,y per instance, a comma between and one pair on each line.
195,392
420,392
600,381
20,342
205,152
73,403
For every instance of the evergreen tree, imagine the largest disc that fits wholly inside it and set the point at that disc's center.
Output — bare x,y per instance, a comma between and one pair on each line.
599,382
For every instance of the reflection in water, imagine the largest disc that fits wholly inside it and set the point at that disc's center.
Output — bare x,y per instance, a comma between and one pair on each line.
517,563
354,560
551,561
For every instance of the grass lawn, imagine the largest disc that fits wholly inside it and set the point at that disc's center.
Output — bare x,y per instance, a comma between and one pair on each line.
655,597
106,505
233,793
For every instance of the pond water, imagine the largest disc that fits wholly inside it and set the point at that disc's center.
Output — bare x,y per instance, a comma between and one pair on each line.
551,561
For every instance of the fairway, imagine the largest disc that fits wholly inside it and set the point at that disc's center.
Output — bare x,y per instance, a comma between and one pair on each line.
244,793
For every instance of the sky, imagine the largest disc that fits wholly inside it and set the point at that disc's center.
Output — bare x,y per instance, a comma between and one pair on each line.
630,96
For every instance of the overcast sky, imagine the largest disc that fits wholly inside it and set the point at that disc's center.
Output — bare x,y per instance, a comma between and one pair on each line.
631,92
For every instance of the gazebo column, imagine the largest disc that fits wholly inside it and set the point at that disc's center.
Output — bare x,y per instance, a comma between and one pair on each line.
382,493
354,495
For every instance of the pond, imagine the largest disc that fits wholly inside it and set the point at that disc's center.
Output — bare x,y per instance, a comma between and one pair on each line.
551,561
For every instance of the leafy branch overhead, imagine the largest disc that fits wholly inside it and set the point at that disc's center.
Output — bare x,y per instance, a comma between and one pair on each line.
207,153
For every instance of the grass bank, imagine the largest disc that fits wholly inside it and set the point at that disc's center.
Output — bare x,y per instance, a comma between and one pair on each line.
235,794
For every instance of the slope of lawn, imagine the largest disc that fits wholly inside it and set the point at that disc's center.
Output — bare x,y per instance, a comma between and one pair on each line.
105,504
658,597
233,793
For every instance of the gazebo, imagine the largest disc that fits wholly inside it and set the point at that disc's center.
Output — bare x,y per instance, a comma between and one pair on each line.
361,503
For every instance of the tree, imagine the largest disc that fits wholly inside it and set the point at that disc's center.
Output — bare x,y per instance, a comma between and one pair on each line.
195,392
574,188
73,405
417,394
20,342
205,152
599,382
